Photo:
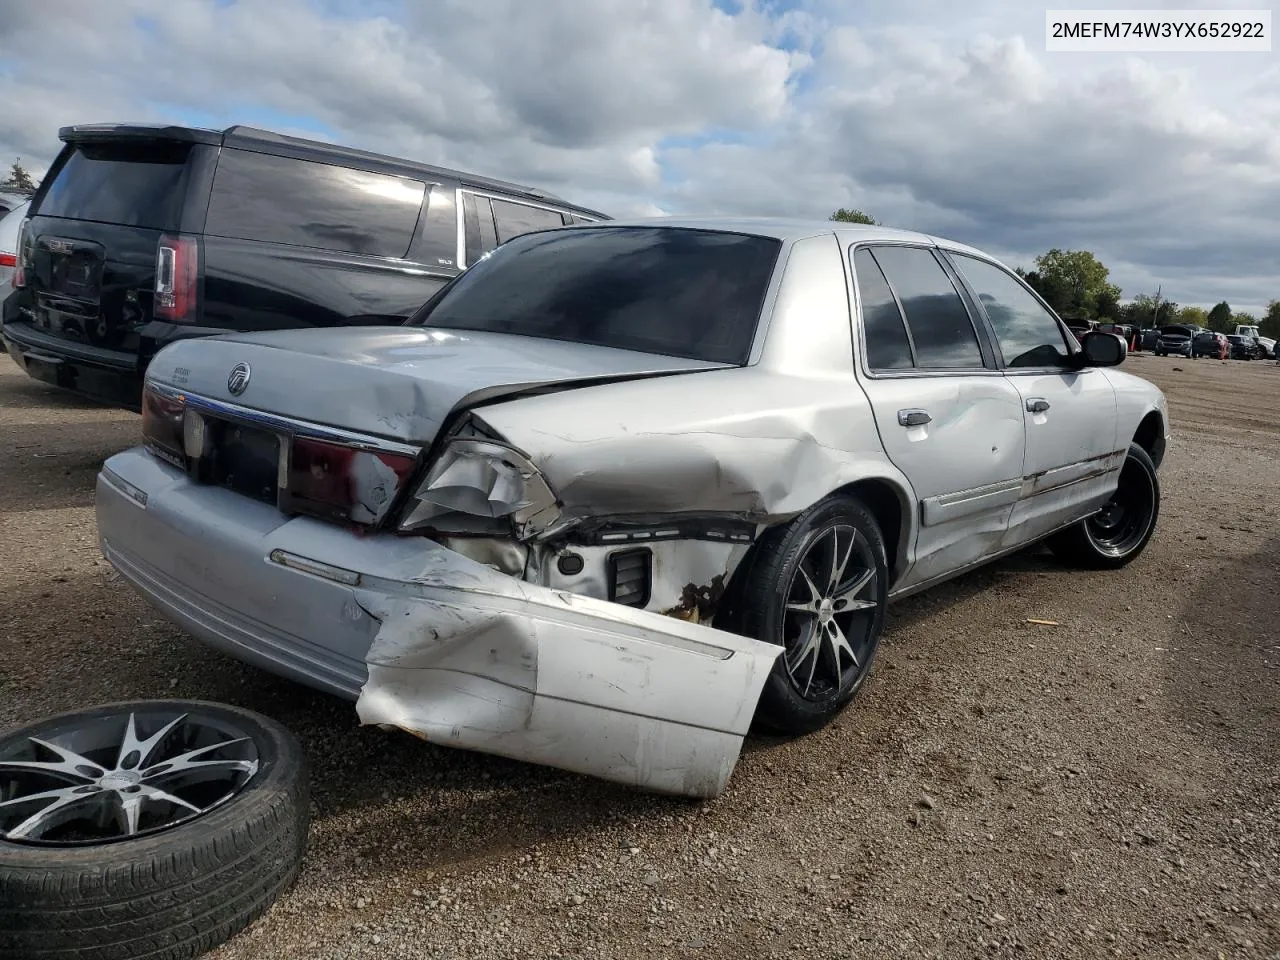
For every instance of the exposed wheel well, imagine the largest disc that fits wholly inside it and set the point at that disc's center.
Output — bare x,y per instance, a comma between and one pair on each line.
1150,436
885,503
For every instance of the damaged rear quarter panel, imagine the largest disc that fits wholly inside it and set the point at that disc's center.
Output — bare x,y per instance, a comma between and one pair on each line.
761,442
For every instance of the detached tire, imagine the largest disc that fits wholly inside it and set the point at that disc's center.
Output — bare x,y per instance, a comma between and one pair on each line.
175,825
1120,531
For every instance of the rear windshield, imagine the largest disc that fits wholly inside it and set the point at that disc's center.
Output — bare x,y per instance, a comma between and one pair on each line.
676,292
135,185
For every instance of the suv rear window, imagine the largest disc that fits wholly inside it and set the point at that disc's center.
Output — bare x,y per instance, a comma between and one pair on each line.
259,196
135,185
676,292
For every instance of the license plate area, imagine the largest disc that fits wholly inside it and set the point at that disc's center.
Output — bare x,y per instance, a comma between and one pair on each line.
74,268
241,458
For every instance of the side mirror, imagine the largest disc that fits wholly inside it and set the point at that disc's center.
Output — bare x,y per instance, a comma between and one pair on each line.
1102,349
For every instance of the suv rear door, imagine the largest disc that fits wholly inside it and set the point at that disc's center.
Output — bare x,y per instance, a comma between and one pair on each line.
90,248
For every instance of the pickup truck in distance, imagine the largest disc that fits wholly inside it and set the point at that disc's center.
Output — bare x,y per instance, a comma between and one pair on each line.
1267,344
622,488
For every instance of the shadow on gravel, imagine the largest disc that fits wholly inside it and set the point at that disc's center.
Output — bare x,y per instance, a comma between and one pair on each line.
53,466
1224,665
22,391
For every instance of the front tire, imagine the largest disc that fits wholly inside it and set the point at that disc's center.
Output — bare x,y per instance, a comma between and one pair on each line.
1120,531
818,587
154,829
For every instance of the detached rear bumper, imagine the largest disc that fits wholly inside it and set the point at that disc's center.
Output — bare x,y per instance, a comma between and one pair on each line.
434,643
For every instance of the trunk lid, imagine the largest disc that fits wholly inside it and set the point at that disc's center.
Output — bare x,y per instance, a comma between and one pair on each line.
90,249
400,383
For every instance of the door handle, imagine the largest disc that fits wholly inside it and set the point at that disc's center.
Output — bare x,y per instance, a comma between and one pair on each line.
1037,405
913,418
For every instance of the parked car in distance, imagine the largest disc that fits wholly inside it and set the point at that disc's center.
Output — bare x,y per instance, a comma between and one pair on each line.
1268,345
143,235
1206,343
621,488
1175,338
1079,328
11,201
1150,338
9,224
1243,348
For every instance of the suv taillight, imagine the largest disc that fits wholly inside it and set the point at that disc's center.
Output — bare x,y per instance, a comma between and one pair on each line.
177,278
19,278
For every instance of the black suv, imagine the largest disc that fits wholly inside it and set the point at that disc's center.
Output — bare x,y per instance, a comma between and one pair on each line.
141,235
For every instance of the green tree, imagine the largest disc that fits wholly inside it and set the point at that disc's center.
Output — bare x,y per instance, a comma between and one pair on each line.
1270,325
1148,310
1108,303
1074,283
1220,318
854,216
1195,315
1243,320
19,179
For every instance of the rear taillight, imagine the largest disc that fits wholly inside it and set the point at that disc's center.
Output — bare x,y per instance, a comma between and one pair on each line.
340,482
177,279
162,430
19,278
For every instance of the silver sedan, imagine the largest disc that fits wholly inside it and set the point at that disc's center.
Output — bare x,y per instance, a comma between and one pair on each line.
619,490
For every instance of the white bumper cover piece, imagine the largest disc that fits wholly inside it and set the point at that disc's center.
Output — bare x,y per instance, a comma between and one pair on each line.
436,644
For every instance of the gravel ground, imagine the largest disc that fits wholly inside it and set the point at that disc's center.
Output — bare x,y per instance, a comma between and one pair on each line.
1107,786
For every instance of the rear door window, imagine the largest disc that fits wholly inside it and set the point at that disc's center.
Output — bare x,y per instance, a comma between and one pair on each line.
514,219
258,196
941,329
133,185
886,335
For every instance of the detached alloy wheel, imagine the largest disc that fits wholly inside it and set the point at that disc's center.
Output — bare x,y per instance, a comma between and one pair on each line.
154,829
818,587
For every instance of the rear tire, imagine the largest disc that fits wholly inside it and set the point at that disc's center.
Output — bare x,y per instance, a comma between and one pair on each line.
1120,531
830,559
168,893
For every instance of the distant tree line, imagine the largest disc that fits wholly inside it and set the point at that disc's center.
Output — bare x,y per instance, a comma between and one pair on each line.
1075,283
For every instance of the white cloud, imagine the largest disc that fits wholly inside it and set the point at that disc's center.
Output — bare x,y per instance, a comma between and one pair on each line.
929,114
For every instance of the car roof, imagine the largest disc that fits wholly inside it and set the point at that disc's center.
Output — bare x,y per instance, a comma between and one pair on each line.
791,229
267,141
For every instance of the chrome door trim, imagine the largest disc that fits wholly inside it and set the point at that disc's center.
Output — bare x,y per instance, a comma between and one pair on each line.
953,506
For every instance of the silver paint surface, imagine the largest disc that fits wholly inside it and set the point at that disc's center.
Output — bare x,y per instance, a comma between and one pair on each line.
484,643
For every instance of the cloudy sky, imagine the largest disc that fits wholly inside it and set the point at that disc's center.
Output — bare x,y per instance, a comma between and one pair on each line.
929,114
